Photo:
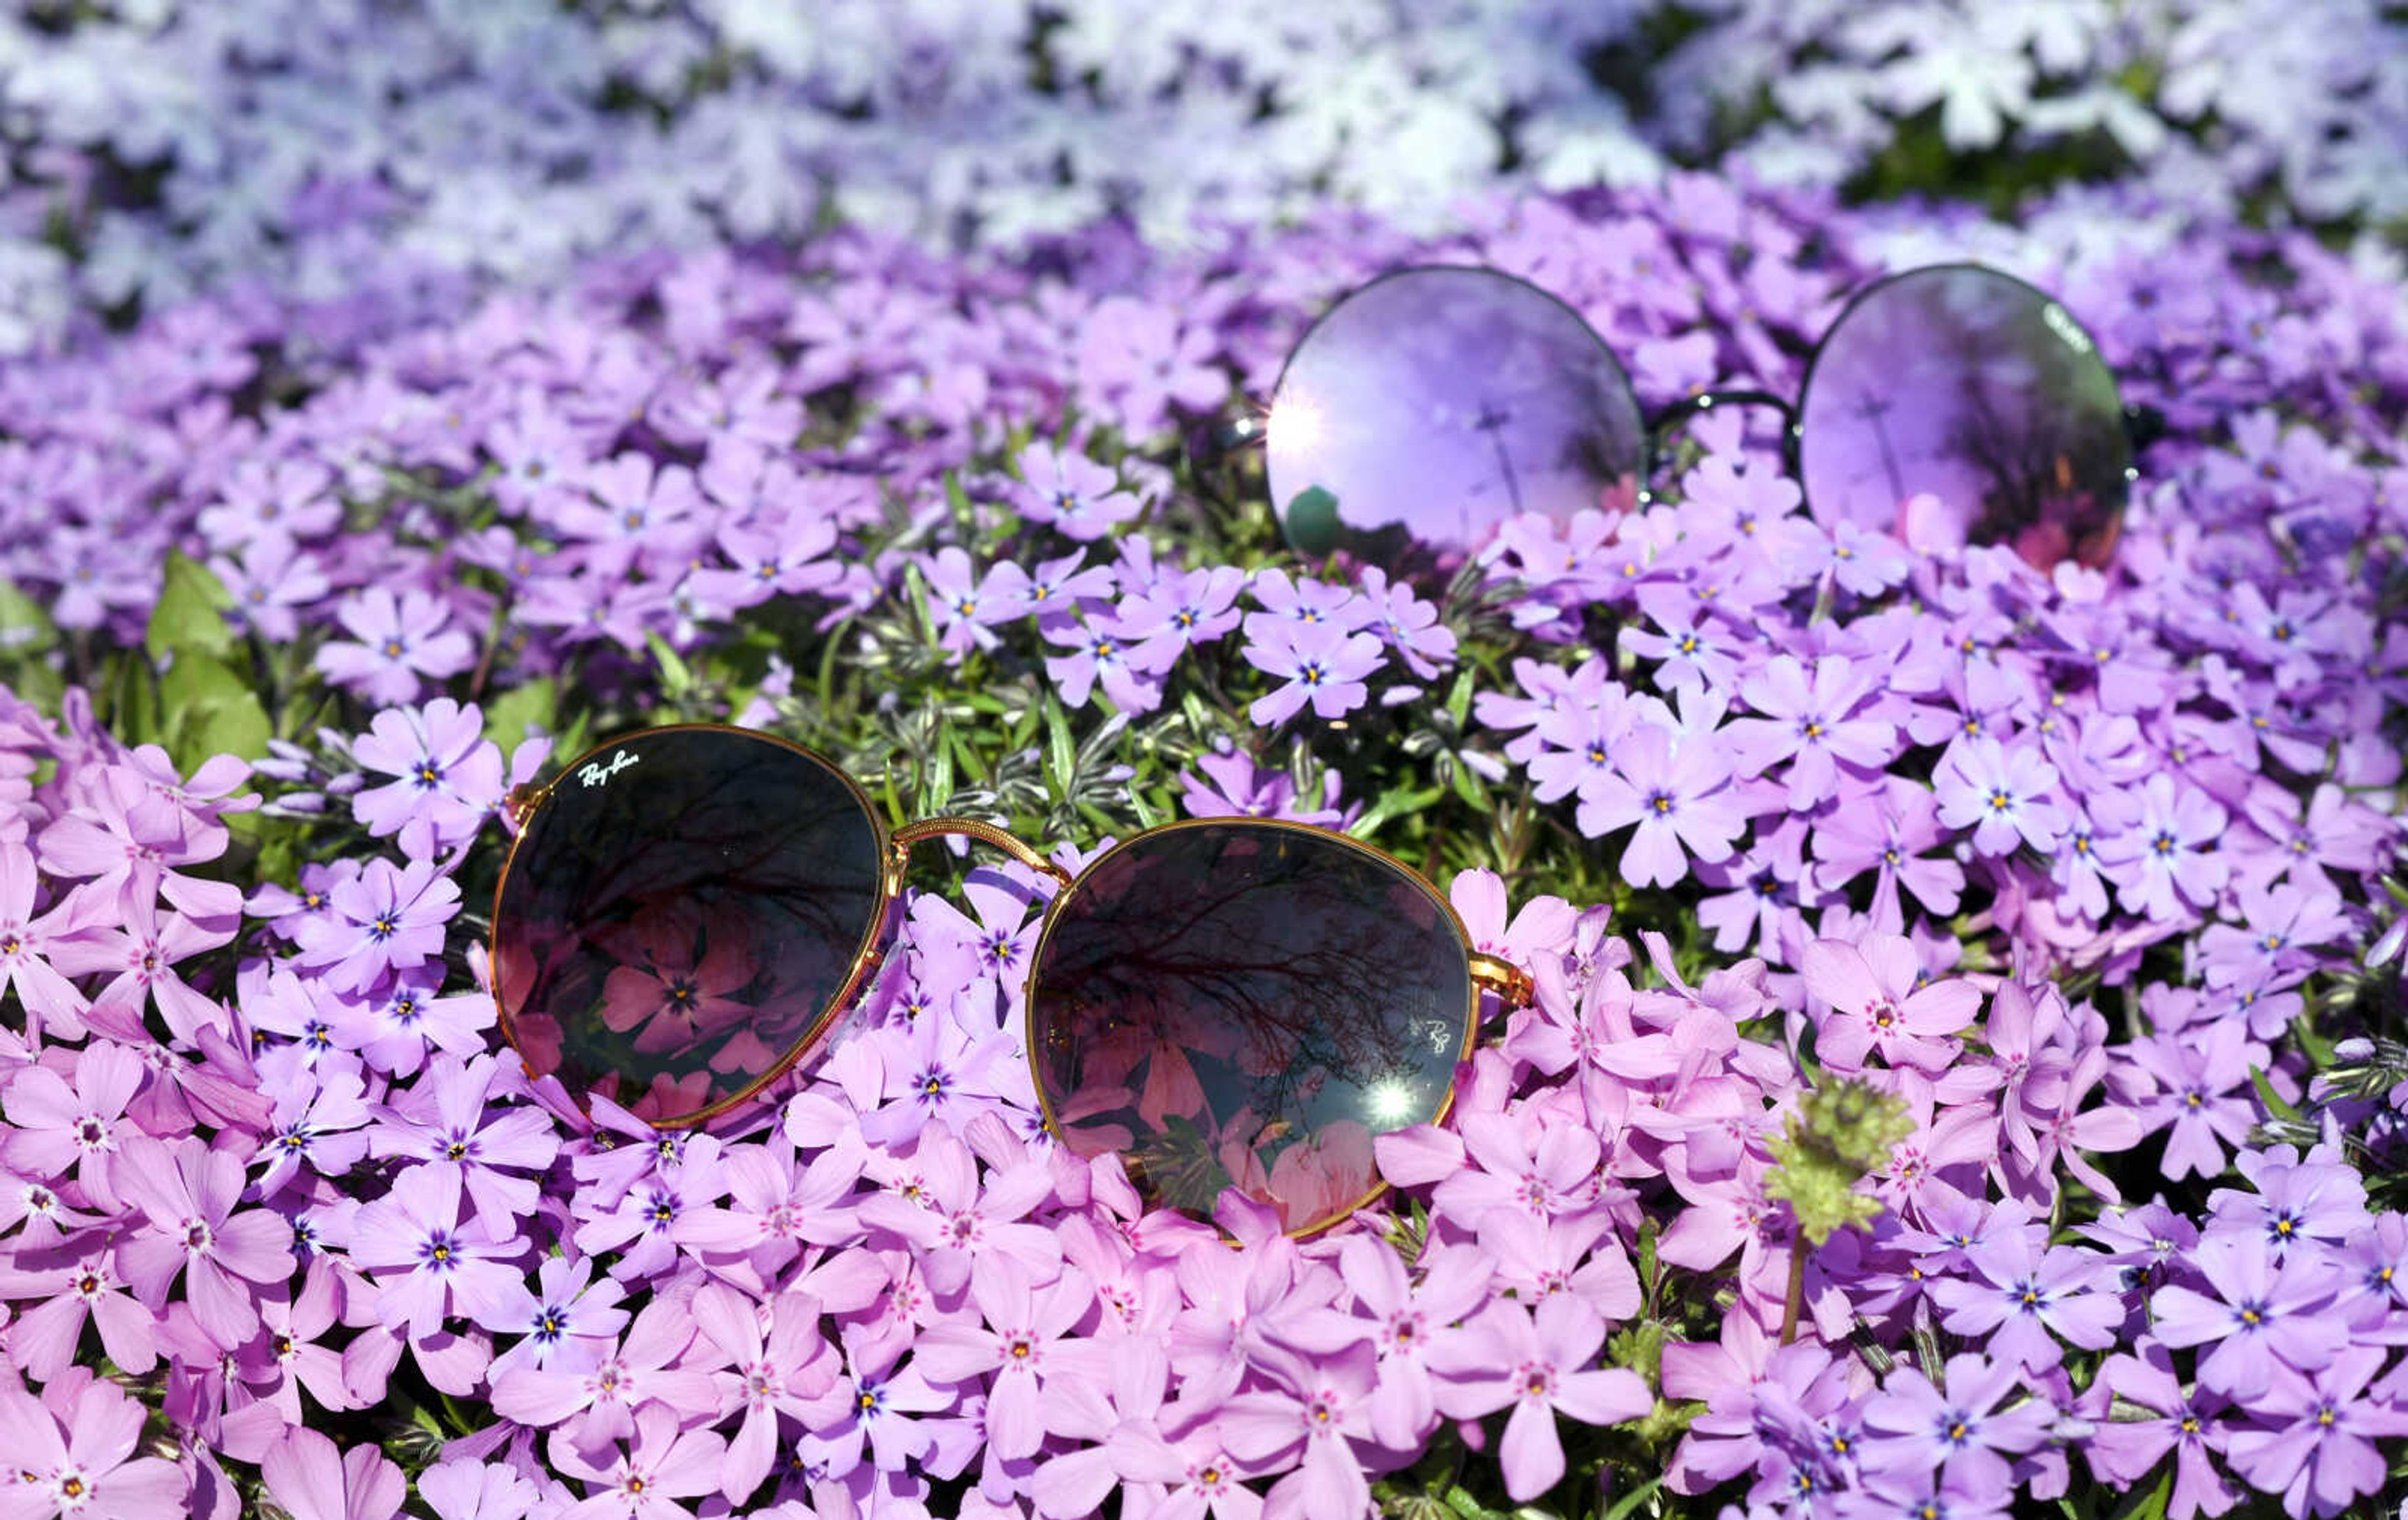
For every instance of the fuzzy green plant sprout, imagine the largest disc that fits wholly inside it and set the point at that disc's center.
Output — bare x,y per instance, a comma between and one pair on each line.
1835,1138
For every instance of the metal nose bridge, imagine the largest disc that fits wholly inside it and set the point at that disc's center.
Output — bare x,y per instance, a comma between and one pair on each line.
900,844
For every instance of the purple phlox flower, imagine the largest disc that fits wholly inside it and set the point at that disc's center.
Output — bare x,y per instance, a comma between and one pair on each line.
412,1017
1552,689
1816,722
1308,1419
1771,1408
1406,623
1732,498
143,948
1137,357
390,918
782,1366
1233,786
283,908
1315,662
72,1453
637,514
783,556
272,580
318,1021
128,826
434,1265
955,949
451,1119
949,1065
1066,1488
313,1480
2003,794
2023,1300
963,1227
2202,1091
1583,740
2333,832
2259,1311
1539,1365
448,777
75,1120
1080,498
1694,645
1758,893
186,1193
2070,1130
1863,561
396,645
741,404
265,499
2296,1200
2315,1441
2161,856
568,1322
2142,1242
1178,610
541,457
665,1461
286,1356
2272,945
595,1404
1056,592
1888,830
317,1124
968,606
1877,1006
875,1402
642,1226
2374,1268
1100,653
1021,1338
2124,1450
26,941
77,1285
1726,1215
2129,674
1961,1431
1676,788
1304,600
34,1202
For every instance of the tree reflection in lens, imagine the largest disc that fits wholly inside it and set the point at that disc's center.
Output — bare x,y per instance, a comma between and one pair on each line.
666,935
1247,1004
1956,405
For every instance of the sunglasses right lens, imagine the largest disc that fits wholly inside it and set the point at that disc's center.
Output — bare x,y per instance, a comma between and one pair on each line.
1958,405
1248,1004
1433,404
684,911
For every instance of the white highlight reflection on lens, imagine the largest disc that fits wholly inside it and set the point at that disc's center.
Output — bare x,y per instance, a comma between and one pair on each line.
1390,1102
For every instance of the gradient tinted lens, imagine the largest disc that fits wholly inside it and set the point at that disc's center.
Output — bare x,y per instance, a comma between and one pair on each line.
1957,405
680,912
1248,1004
1439,402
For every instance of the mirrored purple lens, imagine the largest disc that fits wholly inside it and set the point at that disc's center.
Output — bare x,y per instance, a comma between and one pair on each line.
1439,402
1956,405
682,915
1247,1004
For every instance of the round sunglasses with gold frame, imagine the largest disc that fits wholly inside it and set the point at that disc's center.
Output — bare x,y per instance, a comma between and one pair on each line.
687,911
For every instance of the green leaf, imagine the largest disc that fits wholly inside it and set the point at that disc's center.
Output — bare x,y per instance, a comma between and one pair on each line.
1060,755
509,715
190,614
208,710
1631,1501
1394,805
2273,1100
24,628
677,678
2149,1504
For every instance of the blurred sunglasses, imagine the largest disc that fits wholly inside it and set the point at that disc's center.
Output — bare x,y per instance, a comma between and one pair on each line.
1946,404
687,911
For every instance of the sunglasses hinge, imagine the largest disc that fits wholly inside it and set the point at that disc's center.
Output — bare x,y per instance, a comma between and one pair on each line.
1509,983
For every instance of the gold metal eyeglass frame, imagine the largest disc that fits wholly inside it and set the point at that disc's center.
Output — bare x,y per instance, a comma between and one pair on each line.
1488,973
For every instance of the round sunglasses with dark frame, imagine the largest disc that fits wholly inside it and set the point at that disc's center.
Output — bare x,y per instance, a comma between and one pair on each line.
687,911
1950,403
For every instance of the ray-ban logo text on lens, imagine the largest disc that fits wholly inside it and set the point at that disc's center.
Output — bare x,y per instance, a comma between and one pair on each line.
595,775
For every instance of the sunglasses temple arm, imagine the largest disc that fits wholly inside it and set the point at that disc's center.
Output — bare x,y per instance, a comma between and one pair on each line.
904,838
1509,983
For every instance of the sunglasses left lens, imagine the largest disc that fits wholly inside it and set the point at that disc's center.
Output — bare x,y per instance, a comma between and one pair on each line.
1248,1004
683,913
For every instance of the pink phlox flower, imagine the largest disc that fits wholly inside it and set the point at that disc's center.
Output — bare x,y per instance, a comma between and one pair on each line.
1675,788
449,776
27,940
72,1285
390,918
656,1366
1876,1008
962,1224
1318,663
665,1460
286,1356
2255,1310
320,1022
2203,1098
75,1119
1021,1340
1576,1254
1232,785
1130,1395
2067,1130
1763,1409
397,644
1726,1215
1816,722
1528,1159
432,1265
467,1489
1539,1365
314,1480
1399,1317
1542,927
141,948
776,1205
2022,1299
317,1124
72,1453
2162,857
1310,1417
781,1367
186,1193
1962,1432
2003,794
453,1119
